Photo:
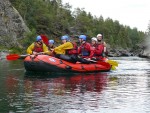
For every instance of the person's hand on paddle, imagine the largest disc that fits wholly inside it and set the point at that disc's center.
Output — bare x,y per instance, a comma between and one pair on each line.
35,53
38,53
51,50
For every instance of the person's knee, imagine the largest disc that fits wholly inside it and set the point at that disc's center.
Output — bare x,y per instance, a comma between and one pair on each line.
65,57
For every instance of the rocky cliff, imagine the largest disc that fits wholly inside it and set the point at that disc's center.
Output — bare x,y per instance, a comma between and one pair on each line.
146,48
12,26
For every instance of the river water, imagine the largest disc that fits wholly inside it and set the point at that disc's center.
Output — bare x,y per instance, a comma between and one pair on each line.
125,90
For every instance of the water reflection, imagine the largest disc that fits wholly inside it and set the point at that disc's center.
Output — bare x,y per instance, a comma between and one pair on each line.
53,94
80,82
12,96
76,93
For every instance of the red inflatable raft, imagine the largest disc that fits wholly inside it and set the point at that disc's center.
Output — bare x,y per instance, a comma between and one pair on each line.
45,63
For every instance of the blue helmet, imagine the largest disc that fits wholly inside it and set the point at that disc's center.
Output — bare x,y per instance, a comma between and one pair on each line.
51,41
38,38
83,37
65,37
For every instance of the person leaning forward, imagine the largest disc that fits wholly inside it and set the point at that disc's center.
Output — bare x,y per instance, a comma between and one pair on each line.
37,47
51,47
61,51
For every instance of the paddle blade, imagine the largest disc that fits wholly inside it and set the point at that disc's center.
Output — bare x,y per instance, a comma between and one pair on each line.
113,67
113,63
45,39
12,57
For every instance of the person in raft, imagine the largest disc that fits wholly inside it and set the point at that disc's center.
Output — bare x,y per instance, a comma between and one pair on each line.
64,50
102,43
85,51
51,47
98,49
37,47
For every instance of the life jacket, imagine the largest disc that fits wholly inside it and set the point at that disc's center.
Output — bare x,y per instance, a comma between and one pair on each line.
99,50
74,50
38,48
105,53
84,50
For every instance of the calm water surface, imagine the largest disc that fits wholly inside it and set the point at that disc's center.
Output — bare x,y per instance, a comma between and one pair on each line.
125,90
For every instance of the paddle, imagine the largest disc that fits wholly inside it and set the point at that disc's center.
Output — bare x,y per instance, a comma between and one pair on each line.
90,60
44,38
113,63
15,56
105,63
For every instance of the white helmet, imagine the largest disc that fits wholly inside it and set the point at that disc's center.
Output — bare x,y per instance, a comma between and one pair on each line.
99,35
95,39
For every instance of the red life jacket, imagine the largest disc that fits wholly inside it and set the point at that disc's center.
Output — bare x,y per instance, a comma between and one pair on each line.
38,48
85,49
74,50
99,49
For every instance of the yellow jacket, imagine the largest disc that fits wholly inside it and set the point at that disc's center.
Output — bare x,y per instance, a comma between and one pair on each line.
31,48
62,48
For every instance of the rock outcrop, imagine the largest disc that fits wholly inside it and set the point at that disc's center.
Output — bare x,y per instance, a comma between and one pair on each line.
12,26
146,48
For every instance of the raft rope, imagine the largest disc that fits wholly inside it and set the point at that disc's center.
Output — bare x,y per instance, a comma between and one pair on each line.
74,67
82,67
61,62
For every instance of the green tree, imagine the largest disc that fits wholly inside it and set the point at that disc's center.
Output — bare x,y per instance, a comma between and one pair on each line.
52,18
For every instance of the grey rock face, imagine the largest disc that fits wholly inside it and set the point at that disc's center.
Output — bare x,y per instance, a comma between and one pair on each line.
146,48
12,26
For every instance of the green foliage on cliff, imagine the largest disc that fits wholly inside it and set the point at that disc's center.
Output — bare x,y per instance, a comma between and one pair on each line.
52,18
